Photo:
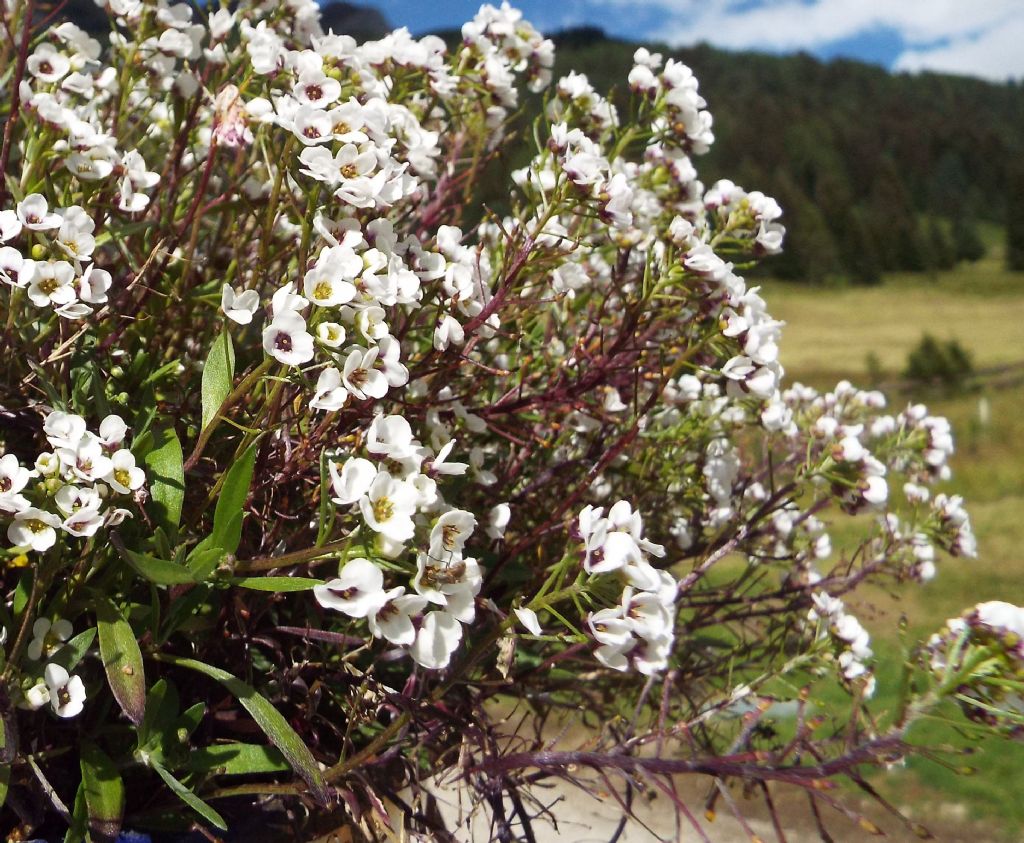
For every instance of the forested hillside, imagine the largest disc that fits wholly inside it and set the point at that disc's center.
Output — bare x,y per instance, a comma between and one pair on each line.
875,171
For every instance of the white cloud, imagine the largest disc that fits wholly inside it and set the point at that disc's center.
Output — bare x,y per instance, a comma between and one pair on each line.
973,37
995,54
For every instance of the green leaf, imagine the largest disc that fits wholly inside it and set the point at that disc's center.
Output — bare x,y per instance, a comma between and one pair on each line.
122,659
191,718
327,508
160,571
166,475
161,712
218,376
189,798
79,817
276,583
22,591
74,650
182,609
5,769
237,759
227,517
271,721
166,369
203,561
104,792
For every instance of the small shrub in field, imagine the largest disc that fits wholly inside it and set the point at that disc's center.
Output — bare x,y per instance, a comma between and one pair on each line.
303,467
943,364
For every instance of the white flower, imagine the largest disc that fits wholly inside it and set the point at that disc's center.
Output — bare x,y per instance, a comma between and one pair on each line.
75,236
10,225
393,620
497,520
450,532
650,656
874,490
452,583
67,693
440,465
11,264
50,282
33,213
329,282
388,507
48,637
286,340
360,378
112,430
353,481
330,334
316,89
86,459
13,478
357,591
83,523
609,627
390,437
436,640
528,618
330,395
37,696
94,284
64,430
614,655
239,307
286,300
124,476
47,65
447,332
33,528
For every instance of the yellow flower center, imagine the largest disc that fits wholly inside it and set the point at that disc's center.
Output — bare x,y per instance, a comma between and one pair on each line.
383,509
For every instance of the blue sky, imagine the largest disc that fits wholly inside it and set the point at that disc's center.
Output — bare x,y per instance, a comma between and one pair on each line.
972,37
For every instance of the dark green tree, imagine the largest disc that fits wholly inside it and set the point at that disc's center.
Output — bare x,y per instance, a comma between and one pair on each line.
941,254
1015,221
967,243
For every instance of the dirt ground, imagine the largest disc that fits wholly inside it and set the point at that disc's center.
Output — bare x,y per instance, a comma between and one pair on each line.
585,819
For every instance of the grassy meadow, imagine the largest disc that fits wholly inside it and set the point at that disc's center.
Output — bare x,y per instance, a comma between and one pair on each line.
830,335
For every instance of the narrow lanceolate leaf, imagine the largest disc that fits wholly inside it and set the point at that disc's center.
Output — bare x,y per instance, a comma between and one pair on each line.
189,798
227,517
276,583
271,721
218,376
5,769
5,782
122,659
203,561
166,475
160,571
237,759
74,650
104,792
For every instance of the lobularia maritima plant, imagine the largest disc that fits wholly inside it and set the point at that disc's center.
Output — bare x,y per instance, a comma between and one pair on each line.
310,458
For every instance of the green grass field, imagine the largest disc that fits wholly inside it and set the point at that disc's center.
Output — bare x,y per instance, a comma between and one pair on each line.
829,335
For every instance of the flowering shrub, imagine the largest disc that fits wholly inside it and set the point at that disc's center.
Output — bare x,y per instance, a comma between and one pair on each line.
309,456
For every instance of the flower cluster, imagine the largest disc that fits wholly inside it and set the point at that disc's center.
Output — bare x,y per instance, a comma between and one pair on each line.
65,693
52,266
640,630
846,629
397,498
74,488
